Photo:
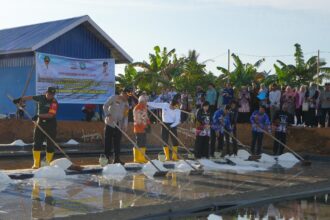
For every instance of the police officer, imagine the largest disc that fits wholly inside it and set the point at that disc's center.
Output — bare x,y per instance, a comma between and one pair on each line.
46,119
116,113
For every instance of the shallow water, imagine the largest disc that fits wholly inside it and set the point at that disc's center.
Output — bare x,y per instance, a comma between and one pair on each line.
94,193
317,207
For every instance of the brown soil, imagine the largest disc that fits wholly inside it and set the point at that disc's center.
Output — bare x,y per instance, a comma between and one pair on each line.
307,140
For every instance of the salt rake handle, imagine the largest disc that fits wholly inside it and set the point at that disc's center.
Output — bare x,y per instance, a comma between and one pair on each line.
180,142
41,129
135,145
160,121
238,141
286,146
161,140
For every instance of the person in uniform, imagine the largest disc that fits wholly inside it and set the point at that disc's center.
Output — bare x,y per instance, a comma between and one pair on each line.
260,122
141,127
116,114
171,116
46,119
222,126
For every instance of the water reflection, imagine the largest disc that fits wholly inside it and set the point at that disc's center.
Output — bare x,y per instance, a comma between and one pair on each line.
316,207
42,203
80,194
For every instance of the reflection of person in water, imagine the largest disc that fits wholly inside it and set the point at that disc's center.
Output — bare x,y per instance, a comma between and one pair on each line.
38,211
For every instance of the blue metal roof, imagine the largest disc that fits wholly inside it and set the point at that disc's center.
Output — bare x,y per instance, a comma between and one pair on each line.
25,37
32,37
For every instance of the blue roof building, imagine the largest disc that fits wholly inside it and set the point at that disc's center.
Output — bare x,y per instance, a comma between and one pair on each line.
78,37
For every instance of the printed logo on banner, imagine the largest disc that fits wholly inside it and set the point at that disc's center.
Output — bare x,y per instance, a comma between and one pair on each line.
79,81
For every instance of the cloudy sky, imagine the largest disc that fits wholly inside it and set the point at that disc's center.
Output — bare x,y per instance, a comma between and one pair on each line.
250,28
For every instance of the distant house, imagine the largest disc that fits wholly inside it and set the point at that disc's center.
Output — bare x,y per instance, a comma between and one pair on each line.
78,37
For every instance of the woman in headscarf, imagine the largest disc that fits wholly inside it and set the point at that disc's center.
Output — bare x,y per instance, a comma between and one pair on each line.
288,99
300,98
244,105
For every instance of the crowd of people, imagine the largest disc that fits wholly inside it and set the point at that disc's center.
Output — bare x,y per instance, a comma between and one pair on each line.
217,112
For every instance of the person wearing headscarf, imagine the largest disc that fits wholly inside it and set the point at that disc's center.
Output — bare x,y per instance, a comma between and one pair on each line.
244,105
288,99
311,96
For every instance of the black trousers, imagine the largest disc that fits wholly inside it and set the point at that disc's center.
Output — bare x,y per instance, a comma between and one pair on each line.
213,141
49,126
311,117
278,148
166,134
221,139
112,138
89,115
299,115
234,140
324,112
243,117
202,147
257,138
291,118
141,139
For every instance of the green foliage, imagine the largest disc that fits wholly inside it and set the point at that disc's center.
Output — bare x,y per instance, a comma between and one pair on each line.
302,73
164,70
192,74
243,73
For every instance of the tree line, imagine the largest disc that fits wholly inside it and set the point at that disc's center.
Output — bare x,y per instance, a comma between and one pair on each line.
165,69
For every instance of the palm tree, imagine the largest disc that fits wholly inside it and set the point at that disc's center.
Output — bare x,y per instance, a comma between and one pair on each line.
302,73
243,73
162,67
193,73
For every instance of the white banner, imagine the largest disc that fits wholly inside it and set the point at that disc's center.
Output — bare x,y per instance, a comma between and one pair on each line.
78,81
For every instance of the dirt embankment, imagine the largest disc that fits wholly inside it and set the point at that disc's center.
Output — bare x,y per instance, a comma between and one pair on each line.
308,140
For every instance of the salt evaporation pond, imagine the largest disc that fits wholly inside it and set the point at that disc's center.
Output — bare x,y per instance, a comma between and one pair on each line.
116,189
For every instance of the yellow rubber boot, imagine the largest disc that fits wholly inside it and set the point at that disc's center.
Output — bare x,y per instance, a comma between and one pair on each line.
175,153
143,158
167,153
135,155
138,182
138,156
49,158
36,159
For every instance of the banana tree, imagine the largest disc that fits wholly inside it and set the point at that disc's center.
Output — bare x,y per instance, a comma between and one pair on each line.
243,73
163,65
193,73
302,73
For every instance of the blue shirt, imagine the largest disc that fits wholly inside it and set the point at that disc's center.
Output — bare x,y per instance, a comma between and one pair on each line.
211,96
260,122
220,121
228,95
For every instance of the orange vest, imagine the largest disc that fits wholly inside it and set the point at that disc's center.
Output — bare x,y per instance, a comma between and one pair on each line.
141,120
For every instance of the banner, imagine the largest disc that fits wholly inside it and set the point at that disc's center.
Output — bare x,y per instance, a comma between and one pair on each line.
78,81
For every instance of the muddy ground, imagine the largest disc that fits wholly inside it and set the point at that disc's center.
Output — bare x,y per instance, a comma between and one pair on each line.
306,140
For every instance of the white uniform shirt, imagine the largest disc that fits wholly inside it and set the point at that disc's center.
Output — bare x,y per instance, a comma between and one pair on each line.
171,116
